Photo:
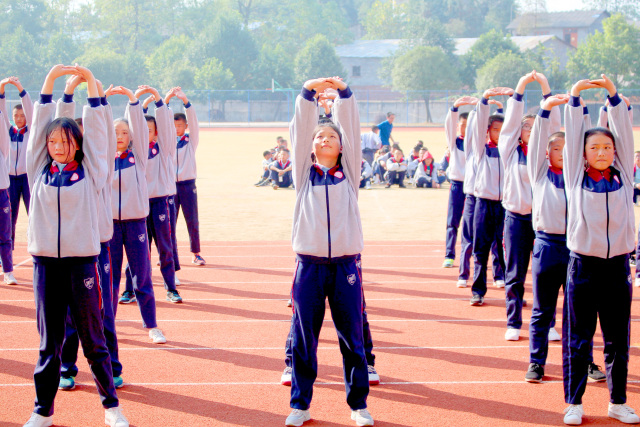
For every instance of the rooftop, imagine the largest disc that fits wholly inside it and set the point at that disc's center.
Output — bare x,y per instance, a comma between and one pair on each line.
572,19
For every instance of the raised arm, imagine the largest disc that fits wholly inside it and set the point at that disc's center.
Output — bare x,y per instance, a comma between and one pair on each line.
27,105
537,163
347,118
192,118
66,106
511,129
451,121
3,103
164,121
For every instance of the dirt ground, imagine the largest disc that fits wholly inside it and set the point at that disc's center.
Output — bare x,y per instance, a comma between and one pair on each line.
232,209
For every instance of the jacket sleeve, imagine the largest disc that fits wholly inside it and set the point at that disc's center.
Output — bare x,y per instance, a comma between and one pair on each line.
391,165
139,134
194,125
480,130
537,164
305,119
112,141
587,119
95,143
66,107
450,127
511,129
27,106
620,125
5,114
5,141
345,110
468,137
37,152
603,117
166,132
573,153
555,120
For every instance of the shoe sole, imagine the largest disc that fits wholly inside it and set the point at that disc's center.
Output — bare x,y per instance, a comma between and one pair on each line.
365,423
175,302
460,285
286,383
616,417
592,380
118,387
374,382
67,388
126,301
533,380
476,304
11,283
298,424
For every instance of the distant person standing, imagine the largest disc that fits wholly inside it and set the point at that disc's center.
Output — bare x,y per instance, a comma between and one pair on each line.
385,129
370,143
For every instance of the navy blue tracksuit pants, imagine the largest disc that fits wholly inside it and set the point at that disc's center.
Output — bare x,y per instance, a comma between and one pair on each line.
18,186
159,229
6,244
596,287
187,199
71,342
173,217
285,180
62,285
488,224
338,279
132,235
454,215
395,177
518,244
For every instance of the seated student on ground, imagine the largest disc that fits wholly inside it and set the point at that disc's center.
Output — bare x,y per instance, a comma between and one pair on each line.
427,172
266,161
636,176
396,169
443,166
380,163
365,175
281,171
413,160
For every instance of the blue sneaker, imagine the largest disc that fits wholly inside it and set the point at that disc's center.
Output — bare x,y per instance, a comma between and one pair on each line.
127,298
174,297
448,263
198,260
67,383
118,382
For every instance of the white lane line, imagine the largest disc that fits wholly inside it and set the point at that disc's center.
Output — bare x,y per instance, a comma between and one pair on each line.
289,246
286,299
293,256
280,320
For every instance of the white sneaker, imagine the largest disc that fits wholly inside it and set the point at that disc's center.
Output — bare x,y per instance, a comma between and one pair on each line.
554,335
461,283
297,417
156,336
374,378
9,279
623,413
637,282
285,379
38,420
362,417
498,283
177,281
367,186
512,334
114,417
290,302
573,415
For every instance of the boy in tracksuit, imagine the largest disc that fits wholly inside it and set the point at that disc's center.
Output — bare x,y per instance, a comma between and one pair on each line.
396,169
600,236
281,175
18,182
66,108
488,217
327,238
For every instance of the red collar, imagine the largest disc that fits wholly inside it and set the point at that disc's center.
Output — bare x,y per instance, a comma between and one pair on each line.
20,131
491,144
73,165
331,171
597,175
555,170
525,147
124,154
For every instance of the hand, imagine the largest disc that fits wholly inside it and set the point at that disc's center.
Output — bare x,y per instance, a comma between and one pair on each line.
581,85
605,83
329,94
496,102
436,185
121,90
56,71
181,95
72,83
142,89
337,83
555,100
148,100
326,104
280,173
3,83
544,83
92,87
16,82
319,85
524,81
100,88
465,100
497,91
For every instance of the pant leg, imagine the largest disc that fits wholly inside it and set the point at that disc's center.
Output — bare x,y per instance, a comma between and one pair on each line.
497,261
108,316
466,240
287,180
579,320
366,329
400,177
308,296
189,202
636,193
162,226
421,182
345,296
117,254
392,177
549,272
454,215
483,238
173,216
70,346
135,245
6,244
518,243
14,197
288,348
614,310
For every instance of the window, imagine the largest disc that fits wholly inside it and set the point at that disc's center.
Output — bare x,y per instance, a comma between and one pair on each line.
355,72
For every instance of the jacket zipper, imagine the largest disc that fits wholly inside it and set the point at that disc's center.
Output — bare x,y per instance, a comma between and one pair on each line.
119,194
15,168
607,207
326,191
59,219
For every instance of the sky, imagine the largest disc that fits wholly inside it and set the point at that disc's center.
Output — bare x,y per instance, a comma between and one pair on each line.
562,5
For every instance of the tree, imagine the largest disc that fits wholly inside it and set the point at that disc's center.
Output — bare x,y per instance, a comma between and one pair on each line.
167,65
630,8
383,20
275,63
484,49
505,69
114,68
212,75
424,68
615,52
317,58
430,32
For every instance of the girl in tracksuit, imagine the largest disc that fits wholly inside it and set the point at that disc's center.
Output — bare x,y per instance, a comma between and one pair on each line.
600,236
67,171
130,208
426,173
327,240
19,184
66,108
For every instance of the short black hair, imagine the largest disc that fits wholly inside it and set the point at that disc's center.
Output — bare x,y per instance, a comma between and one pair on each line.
180,116
375,128
389,114
599,131
557,135
495,118
71,130
463,116
79,121
266,153
152,119
17,107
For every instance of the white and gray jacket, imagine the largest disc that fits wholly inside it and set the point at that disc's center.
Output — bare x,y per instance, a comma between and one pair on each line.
19,138
63,214
161,178
457,161
489,170
600,211
326,219
185,157
469,160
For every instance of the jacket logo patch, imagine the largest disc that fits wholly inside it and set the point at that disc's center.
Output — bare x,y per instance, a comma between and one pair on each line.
132,160
359,264
338,175
141,237
615,177
74,177
351,279
89,282
107,267
154,151
7,209
170,201
162,217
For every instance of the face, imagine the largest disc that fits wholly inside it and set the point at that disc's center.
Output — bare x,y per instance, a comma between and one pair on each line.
397,155
428,161
636,159
284,156
19,118
152,131
283,143
525,131
599,152
391,118
181,127
554,152
326,144
122,136
462,127
60,148
494,131
268,156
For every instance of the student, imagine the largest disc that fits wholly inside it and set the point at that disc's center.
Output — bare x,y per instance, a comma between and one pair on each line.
442,167
18,182
603,118
370,143
488,217
396,169
187,194
130,209
365,175
380,163
426,172
636,177
412,162
266,161
281,175
7,134
327,239
66,108
600,236
455,129
516,199
385,129
67,172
